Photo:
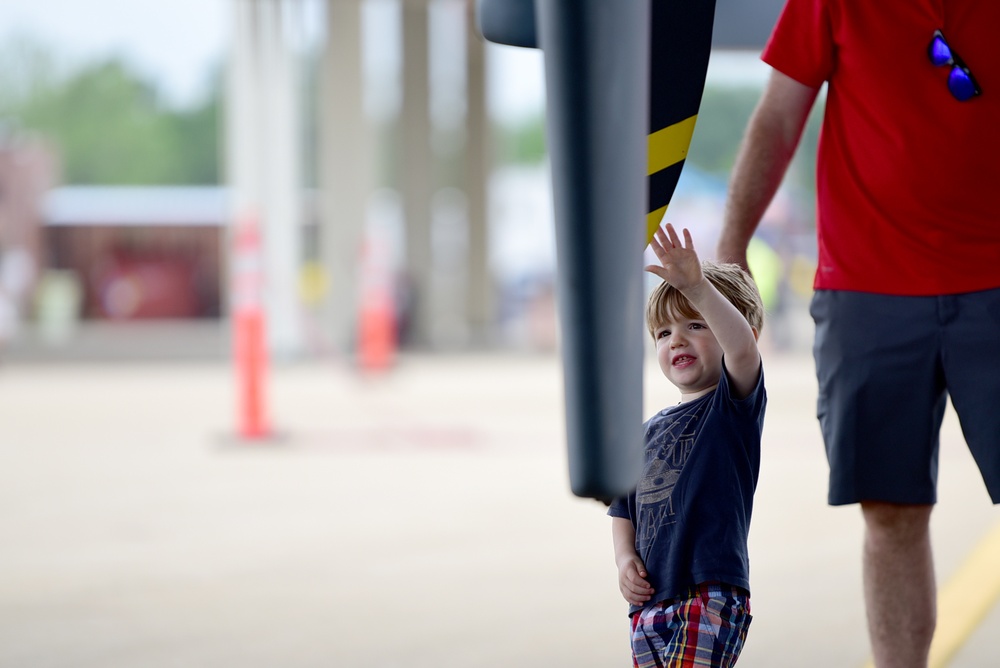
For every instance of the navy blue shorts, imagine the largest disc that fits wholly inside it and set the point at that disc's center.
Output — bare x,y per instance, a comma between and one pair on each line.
886,366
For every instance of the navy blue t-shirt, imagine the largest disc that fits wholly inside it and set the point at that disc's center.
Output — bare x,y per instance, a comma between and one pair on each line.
691,509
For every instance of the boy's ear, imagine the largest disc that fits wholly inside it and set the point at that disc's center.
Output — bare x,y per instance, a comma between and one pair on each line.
756,334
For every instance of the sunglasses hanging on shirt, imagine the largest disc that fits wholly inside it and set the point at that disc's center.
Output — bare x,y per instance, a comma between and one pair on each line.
961,83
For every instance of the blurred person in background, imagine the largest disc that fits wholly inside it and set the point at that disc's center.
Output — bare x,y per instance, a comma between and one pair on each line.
907,286
16,276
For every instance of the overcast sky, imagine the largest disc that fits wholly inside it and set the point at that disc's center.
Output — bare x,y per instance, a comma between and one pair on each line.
173,41
176,42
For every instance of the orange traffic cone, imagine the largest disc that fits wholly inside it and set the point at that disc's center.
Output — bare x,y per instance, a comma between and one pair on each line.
376,332
249,332
377,335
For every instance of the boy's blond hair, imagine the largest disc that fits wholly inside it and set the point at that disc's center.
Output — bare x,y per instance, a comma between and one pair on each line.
736,285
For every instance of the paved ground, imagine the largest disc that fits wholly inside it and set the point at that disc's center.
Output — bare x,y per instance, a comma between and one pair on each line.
420,519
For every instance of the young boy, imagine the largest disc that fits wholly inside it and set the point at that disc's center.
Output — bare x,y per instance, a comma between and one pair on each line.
681,538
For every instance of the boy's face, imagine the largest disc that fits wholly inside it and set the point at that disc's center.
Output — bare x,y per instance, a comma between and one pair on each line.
689,355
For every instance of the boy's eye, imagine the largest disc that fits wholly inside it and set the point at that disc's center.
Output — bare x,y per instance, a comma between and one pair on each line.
663,334
697,325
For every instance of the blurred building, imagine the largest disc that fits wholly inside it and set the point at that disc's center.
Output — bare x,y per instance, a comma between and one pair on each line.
140,253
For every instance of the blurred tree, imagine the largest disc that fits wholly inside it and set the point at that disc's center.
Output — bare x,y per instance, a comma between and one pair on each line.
523,142
722,120
109,123
197,134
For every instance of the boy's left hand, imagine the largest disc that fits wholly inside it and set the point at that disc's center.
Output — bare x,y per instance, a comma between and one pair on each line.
681,267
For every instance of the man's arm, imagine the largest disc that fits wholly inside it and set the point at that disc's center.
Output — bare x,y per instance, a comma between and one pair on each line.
768,145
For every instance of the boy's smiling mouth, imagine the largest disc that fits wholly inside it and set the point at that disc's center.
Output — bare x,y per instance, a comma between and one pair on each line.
682,360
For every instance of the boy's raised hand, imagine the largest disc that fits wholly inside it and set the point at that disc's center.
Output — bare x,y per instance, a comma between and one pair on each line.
679,263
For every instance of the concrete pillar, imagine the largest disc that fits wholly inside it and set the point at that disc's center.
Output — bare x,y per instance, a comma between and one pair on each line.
242,122
416,177
345,168
480,296
282,172
264,156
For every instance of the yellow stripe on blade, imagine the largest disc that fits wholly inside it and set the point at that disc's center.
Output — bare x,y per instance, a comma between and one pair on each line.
670,145
653,220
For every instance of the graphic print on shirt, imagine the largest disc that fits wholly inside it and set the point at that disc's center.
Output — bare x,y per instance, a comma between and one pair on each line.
667,453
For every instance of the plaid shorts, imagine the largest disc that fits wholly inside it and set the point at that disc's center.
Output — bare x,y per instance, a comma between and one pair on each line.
706,628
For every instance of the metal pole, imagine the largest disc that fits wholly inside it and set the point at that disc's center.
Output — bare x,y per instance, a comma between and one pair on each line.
597,83
416,178
345,168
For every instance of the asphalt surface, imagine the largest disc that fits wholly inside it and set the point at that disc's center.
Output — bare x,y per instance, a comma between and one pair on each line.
422,518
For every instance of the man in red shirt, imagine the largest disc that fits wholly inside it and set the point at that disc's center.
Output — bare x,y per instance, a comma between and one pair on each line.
907,286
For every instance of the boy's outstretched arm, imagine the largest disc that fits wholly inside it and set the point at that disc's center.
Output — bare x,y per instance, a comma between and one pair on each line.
682,269
631,571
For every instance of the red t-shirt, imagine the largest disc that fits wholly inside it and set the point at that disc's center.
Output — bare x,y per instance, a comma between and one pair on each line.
906,175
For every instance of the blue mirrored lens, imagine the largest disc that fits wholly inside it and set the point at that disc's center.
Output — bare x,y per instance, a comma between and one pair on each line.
960,84
939,52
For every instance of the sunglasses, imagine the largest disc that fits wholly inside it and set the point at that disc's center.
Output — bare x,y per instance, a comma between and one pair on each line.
961,84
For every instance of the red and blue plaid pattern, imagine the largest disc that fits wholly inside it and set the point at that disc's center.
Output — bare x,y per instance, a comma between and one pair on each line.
707,628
